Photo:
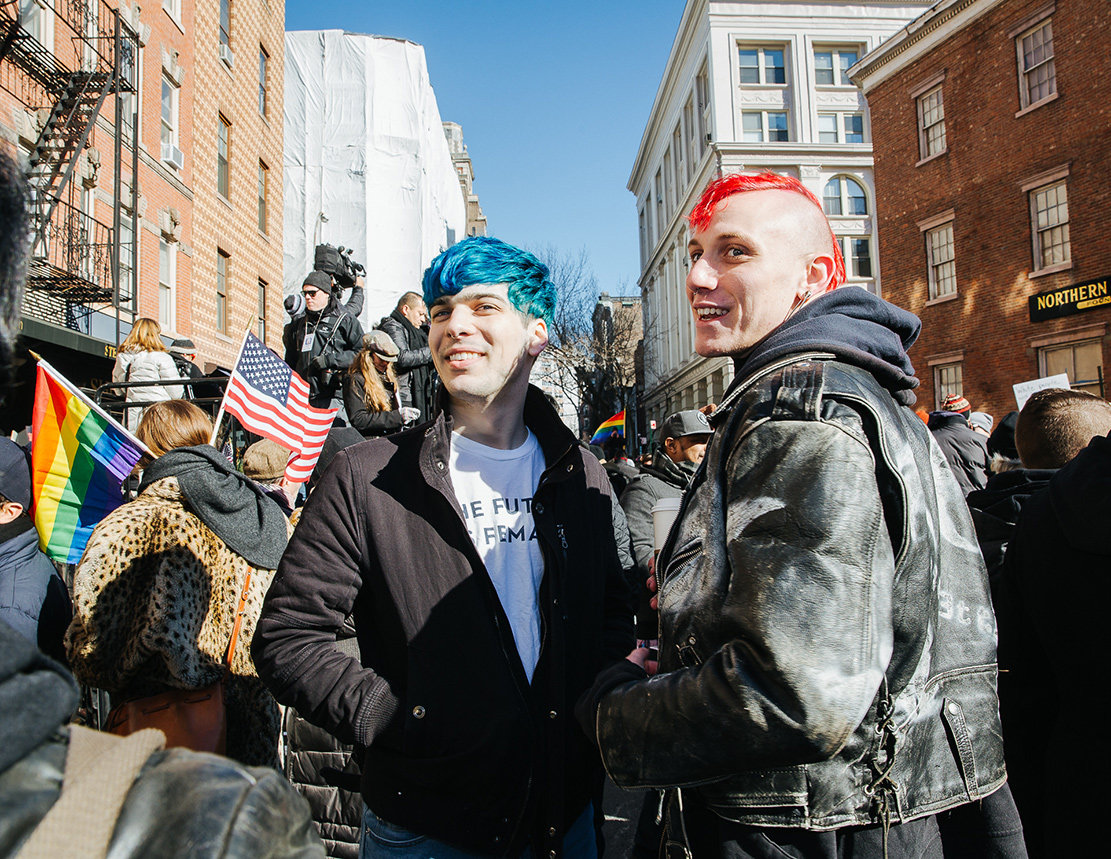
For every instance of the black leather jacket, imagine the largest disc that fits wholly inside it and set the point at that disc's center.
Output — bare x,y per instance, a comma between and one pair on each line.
828,642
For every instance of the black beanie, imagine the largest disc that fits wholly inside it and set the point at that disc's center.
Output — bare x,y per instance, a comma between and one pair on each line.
319,279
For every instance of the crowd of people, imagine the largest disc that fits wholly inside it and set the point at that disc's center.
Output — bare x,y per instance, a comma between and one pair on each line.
846,646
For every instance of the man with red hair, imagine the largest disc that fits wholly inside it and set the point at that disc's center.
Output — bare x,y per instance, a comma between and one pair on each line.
826,683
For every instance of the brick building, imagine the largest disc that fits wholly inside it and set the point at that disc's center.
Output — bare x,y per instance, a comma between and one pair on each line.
197,239
992,139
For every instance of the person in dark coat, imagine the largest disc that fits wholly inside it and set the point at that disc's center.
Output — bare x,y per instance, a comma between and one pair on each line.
370,389
965,450
1051,605
321,345
33,597
184,353
406,325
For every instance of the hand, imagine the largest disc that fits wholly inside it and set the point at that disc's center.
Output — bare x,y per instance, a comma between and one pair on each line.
640,656
708,409
650,583
317,363
360,281
409,414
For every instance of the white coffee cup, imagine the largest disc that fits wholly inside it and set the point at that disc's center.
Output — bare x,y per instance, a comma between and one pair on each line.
664,513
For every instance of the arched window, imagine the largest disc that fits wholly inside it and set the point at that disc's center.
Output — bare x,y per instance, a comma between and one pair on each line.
844,195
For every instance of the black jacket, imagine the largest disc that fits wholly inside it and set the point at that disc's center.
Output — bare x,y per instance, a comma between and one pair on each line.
460,747
827,656
415,373
995,510
33,597
338,337
1051,601
965,450
182,803
368,422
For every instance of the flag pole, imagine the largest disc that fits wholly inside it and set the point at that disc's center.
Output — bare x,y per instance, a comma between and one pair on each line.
77,392
223,399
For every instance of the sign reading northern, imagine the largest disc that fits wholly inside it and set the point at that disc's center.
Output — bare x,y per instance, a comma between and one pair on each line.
1070,299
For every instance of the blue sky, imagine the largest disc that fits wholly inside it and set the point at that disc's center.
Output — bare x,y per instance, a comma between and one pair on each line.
553,98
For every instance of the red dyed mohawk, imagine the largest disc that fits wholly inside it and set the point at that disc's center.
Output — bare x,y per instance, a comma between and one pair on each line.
740,183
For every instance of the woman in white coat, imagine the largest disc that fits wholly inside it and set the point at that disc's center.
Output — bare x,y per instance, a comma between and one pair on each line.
143,358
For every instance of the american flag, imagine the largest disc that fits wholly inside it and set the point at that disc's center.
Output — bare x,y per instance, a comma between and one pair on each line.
272,401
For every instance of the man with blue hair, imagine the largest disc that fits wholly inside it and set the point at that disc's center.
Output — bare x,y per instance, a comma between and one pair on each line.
476,555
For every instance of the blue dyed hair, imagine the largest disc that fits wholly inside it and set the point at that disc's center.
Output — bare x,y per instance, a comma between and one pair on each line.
484,259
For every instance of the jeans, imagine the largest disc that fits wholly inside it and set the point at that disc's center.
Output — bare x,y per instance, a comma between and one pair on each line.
382,840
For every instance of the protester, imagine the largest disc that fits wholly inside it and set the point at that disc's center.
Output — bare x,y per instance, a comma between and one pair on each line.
1052,428
982,423
184,354
407,326
33,597
264,462
118,806
157,589
619,468
320,345
370,389
965,450
143,358
459,550
1051,601
817,692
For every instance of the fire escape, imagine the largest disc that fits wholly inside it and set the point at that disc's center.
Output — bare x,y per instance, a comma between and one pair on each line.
88,59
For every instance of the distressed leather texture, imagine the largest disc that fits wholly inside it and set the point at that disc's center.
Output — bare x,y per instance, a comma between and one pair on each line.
828,641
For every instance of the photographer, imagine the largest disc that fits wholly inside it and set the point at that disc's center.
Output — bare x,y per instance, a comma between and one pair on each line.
322,344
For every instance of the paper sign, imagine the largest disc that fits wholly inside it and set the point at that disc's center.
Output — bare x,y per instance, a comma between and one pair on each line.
1023,390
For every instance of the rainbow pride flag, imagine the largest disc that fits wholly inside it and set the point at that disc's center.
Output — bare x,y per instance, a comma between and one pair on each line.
610,428
80,457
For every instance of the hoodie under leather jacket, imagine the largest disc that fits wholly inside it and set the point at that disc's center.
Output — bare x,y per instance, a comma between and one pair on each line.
828,643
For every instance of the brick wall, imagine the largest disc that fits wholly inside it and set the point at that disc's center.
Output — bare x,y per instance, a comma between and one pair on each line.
991,153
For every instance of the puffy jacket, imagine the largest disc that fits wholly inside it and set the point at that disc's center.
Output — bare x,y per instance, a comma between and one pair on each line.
460,746
828,658
33,597
146,367
965,450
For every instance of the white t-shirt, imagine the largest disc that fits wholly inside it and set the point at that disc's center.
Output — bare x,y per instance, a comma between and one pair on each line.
494,488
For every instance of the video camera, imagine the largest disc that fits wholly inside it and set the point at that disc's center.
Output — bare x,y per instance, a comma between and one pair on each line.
338,263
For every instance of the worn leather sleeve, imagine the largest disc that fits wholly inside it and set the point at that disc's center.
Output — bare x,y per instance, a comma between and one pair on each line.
313,591
793,623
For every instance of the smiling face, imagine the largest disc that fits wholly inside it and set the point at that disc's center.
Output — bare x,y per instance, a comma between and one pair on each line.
761,254
481,344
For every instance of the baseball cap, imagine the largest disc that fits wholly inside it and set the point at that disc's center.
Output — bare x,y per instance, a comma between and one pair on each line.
688,422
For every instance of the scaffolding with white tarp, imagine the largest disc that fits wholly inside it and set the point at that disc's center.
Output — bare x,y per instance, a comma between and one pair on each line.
367,165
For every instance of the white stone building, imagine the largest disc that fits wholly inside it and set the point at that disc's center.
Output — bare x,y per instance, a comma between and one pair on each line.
749,87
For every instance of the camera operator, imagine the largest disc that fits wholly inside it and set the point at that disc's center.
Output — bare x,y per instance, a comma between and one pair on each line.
322,344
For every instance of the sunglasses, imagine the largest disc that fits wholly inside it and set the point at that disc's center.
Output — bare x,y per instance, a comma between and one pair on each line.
309,293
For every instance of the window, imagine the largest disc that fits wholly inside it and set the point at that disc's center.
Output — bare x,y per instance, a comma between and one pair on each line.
1049,225
1083,362
38,21
642,226
260,327
692,151
764,126
940,260
128,253
760,65
679,180
221,291
670,189
263,179
169,113
857,253
263,62
167,282
702,85
947,380
931,123
1036,73
660,220
225,23
173,9
831,65
840,127
223,142
844,195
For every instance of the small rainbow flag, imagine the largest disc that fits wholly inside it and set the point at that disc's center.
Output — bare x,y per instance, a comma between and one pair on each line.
614,426
80,457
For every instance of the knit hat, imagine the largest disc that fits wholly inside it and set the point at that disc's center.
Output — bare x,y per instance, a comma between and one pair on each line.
956,403
982,420
15,473
320,280
184,346
689,422
265,460
295,304
381,344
